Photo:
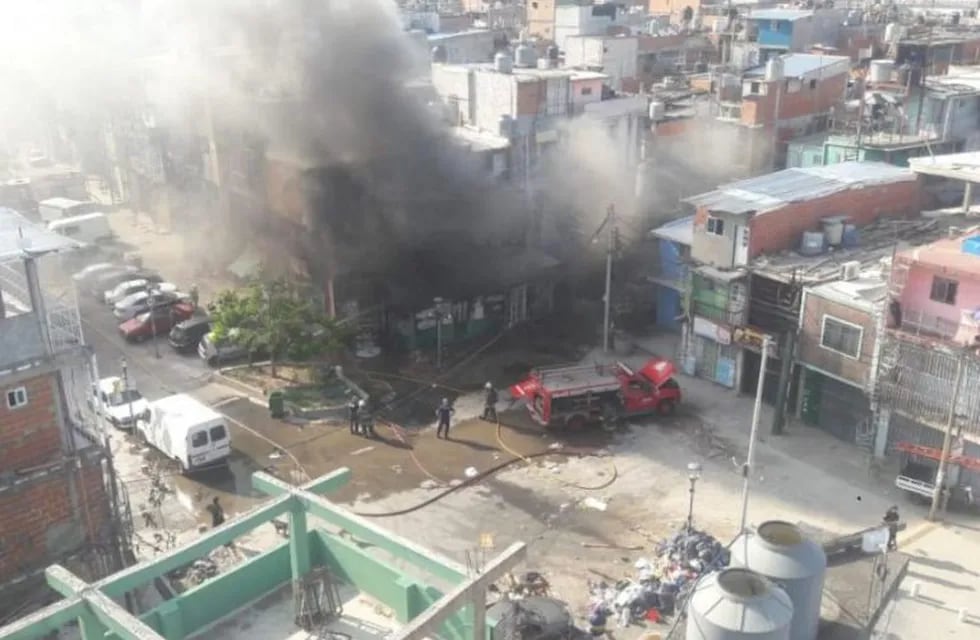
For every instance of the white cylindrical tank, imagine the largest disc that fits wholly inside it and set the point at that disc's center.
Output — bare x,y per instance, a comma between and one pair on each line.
893,31
525,56
779,551
881,71
774,69
503,63
737,604
657,110
833,230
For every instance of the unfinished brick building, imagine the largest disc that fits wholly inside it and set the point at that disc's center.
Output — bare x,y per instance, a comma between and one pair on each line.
56,483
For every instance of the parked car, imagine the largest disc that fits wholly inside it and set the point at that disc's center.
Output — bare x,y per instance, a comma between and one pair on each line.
160,321
186,335
136,303
128,288
216,353
110,278
121,407
90,272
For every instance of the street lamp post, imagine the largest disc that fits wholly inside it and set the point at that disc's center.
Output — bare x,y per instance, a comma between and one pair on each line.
693,474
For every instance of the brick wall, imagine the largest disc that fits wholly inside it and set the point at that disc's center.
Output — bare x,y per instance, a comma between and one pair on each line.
759,109
46,519
781,229
811,352
30,435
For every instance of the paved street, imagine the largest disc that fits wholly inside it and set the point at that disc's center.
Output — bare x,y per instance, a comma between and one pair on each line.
805,475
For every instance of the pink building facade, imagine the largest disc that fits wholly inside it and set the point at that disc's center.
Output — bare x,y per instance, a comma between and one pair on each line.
937,289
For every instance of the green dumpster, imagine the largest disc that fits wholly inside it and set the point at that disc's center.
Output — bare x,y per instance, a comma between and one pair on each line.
277,404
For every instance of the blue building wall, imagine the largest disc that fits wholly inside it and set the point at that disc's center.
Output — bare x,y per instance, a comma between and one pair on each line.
669,299
775,33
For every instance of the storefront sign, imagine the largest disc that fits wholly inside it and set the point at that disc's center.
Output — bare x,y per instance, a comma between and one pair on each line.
713,331
748,337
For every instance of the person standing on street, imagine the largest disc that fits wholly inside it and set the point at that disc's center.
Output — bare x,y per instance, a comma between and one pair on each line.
353,411
490,403
366,419
891,519
444,413
217,513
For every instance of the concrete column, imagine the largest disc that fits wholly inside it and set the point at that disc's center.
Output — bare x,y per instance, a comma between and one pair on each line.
967,197
882,420
299,543
479,603
91,627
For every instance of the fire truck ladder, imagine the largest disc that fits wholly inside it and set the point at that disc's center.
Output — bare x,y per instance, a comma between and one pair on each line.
932,453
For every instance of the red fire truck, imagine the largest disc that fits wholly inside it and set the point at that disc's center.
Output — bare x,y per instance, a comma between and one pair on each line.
573,396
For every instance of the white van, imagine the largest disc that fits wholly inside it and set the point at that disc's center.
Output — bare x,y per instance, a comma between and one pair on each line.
57,208
185,430
89,228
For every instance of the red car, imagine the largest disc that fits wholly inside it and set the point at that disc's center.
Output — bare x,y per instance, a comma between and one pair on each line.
142,327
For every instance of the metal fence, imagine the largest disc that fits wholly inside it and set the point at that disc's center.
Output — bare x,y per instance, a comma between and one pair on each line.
60,305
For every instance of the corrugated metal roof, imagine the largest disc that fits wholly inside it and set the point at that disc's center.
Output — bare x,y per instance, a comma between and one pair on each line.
680,231
17,232
780,14
762,193
800,64
959,166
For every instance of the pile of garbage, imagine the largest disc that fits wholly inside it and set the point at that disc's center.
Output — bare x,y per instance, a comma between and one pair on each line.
660,585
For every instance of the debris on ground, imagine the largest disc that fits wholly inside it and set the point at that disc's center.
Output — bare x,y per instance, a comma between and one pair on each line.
595,503
661,583
429,483
471,472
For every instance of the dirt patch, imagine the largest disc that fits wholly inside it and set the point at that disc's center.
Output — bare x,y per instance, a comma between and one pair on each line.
260,376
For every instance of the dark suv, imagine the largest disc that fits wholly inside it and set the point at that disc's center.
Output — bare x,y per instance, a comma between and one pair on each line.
185,337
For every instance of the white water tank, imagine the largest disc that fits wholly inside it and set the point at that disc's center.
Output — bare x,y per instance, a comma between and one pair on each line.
833,230
774,69
738,604
503,63
780,552
893,32
525,56
881,71
812,243
657,110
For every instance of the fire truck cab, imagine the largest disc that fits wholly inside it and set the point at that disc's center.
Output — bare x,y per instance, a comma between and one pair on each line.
574,396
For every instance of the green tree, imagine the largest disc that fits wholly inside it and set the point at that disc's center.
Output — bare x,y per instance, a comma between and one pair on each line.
276,316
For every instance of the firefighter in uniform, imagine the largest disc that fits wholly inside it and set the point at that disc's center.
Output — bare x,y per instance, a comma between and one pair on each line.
353,409
366,419
490,403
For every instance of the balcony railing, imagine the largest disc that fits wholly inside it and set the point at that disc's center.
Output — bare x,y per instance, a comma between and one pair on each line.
61,308
921,324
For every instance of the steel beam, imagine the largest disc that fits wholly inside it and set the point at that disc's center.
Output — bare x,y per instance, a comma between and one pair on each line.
139,574
426,625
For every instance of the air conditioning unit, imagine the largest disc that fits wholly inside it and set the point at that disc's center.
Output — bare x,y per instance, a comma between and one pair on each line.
850,270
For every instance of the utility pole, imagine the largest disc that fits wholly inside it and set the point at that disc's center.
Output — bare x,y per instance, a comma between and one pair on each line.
125,375
947,441
610,249
756,412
